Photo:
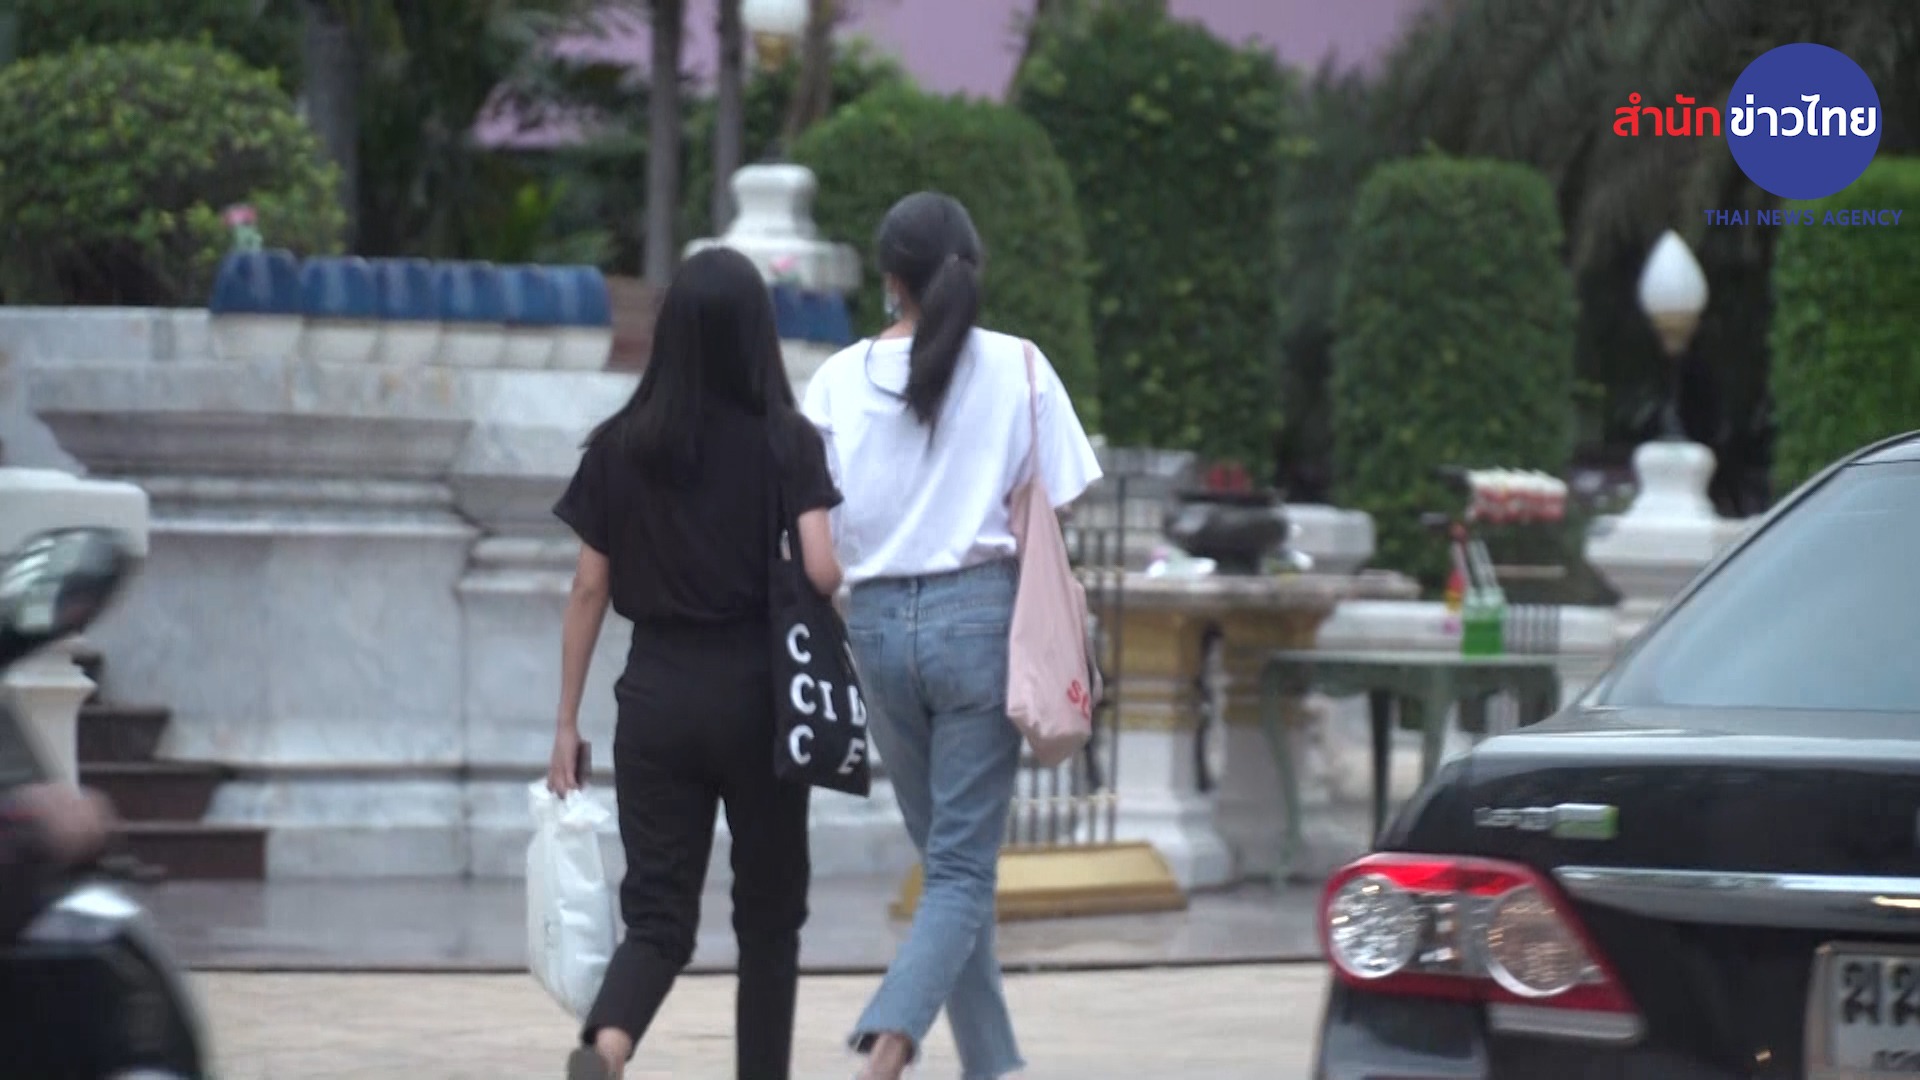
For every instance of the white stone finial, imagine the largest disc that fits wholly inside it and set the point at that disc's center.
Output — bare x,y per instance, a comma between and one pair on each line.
1672,282
1673,292
775,201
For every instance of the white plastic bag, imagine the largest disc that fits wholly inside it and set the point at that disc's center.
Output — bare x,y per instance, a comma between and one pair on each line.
571,921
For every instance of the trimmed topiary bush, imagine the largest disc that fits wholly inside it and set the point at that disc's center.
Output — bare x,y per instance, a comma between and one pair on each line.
1455,323
899,140
1846,327
116,162
1173,140
265,35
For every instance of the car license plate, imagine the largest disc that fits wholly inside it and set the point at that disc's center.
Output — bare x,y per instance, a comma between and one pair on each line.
1863,1012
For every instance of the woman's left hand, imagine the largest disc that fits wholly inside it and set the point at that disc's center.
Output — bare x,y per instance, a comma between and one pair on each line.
565,761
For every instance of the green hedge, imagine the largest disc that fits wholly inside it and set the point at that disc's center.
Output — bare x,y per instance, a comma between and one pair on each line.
1173,139
1455,320
1846,326
117,160
266,36
857,72
899,140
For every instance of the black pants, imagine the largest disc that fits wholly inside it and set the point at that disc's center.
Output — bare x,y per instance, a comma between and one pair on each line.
696,730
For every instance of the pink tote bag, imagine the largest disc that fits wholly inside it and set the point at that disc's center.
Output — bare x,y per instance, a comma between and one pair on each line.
1051,685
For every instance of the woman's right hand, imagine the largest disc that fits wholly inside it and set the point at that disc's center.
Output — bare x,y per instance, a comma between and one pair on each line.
565,761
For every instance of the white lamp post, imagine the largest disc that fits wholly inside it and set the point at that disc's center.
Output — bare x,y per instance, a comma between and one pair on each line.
1673,293
1670,531
774,25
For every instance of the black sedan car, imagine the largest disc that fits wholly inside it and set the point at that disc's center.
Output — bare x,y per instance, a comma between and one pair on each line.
1707,866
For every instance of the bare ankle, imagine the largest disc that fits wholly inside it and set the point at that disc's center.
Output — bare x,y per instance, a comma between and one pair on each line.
615,1047
889,1056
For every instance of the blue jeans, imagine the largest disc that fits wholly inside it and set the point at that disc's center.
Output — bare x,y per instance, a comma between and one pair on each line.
932,653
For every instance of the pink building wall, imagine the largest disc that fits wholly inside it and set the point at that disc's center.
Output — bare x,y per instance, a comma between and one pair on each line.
970,46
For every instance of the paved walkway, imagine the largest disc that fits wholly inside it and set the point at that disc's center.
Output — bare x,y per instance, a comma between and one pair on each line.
447,925
1227,1023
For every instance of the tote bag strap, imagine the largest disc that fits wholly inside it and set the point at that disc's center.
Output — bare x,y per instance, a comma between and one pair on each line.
1033,410
786,532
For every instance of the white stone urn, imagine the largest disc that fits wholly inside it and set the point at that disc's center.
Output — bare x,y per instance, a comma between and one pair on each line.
1667,535
774,227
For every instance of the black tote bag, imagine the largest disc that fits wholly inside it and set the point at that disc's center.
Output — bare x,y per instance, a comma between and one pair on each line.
819,717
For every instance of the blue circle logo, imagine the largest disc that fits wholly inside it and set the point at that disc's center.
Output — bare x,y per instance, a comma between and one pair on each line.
1803,121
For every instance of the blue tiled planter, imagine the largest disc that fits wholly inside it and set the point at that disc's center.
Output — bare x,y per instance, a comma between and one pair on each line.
341,303
826,319
789,312
473,312
585,317
816,317
532,301
408,296
254,309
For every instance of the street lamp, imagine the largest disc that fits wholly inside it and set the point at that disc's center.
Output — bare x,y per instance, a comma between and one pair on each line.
1673,293
775,25
1671,530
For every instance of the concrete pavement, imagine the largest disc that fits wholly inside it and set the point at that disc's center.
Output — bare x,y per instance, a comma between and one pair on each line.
1216,1023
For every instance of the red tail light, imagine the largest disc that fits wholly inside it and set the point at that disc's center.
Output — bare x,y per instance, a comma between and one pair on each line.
1473,930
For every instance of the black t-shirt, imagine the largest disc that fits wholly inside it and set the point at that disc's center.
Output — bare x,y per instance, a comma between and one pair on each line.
698,552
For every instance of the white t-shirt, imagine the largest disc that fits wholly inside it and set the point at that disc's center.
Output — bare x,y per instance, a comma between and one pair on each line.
914,507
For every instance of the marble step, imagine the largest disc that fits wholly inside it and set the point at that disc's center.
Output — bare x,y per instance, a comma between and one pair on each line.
121,734
155,791
192,850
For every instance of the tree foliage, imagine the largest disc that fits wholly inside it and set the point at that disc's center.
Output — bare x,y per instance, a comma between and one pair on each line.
898,140
1455,318
1537,83
116,162
1846,327
1173,140
266,36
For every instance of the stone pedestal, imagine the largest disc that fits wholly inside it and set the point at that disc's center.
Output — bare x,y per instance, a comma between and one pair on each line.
297,610
1160,695
1667,534
1209,838
1270,615
46,690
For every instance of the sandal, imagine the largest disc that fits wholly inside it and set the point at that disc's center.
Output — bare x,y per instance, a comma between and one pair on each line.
585,1064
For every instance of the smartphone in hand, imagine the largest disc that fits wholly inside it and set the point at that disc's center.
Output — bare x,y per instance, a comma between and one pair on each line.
583,763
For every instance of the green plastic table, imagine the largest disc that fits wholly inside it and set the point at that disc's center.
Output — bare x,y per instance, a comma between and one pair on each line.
1412,689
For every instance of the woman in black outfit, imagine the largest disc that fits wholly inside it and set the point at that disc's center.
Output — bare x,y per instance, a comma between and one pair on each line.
671,507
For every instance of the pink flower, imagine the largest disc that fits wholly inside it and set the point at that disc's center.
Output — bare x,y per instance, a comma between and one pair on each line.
239,214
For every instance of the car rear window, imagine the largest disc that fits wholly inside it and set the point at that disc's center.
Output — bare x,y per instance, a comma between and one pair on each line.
1821,611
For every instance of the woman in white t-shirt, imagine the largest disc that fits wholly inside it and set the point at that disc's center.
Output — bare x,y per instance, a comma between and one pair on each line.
929,431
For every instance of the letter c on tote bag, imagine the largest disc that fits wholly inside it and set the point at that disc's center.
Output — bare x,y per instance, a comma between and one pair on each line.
1051,685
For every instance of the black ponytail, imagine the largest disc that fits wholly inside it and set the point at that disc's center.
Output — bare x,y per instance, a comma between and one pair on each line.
948,309
927,242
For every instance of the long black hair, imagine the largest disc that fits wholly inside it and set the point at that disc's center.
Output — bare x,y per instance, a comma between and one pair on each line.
714,341
928,243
